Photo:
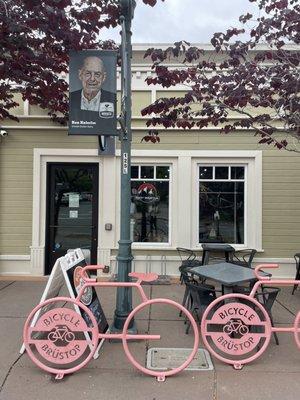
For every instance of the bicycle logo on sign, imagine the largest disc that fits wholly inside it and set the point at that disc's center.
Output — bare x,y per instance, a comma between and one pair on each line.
236,328
61,333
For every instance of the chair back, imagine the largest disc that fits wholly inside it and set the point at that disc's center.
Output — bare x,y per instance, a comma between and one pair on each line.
267,297
202,295
188,257
244,258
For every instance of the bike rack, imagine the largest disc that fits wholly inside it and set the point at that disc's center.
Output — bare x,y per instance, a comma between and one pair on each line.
58,337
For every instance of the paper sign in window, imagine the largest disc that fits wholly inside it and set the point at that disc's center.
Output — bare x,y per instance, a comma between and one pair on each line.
73,214
74,200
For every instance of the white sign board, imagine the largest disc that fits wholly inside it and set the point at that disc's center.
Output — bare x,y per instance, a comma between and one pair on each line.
58,278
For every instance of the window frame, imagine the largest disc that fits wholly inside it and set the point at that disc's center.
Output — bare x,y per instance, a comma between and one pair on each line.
252,160
230,179
148,163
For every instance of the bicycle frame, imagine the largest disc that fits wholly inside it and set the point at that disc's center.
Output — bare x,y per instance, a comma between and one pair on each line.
281,282
93,282
75,349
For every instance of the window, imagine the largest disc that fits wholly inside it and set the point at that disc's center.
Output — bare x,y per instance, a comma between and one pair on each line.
222,204
150,203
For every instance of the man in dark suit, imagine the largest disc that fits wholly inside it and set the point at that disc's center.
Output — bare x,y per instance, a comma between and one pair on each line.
92,107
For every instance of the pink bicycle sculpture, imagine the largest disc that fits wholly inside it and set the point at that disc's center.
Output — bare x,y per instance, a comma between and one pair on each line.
62,341
236,328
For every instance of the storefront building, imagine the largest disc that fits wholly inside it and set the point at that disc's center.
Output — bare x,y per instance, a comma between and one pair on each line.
57,193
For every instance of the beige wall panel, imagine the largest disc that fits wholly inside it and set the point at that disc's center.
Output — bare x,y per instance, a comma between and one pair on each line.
19,110
140,122
290,178
281,187
140,100
279,191
15,230
36,110
14,220
32,121
280,166
284,215
284,225
170,93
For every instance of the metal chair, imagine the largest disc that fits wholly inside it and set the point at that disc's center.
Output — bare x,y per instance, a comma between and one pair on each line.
297,277
188,260
243,258
266,297
201,295
186,278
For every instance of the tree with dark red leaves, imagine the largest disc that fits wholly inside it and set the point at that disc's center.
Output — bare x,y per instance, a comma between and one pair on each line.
257,80
35,39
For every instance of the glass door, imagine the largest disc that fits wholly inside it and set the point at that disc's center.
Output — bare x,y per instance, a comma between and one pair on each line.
72,210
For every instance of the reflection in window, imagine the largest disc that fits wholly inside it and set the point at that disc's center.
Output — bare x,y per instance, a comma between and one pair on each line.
222,206
150,206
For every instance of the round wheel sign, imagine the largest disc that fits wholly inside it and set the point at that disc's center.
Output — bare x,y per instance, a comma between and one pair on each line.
64,342
236,329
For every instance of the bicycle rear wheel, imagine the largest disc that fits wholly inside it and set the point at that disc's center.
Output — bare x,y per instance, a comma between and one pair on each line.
58,339
160,375
236,329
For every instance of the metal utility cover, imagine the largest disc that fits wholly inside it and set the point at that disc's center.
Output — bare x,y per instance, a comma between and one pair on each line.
168,358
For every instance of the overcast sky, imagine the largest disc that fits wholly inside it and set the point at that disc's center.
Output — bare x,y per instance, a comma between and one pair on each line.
191,20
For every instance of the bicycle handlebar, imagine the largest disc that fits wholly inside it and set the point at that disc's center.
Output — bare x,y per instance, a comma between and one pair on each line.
84,270
259,267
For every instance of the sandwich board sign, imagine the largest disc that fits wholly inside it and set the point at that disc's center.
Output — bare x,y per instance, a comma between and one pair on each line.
66,271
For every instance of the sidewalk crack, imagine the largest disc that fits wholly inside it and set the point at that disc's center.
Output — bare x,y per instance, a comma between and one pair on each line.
9,371
215,386
9,284
287,309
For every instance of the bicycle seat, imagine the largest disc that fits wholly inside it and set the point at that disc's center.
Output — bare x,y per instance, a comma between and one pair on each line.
144,277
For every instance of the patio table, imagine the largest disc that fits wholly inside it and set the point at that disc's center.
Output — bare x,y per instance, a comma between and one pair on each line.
229,275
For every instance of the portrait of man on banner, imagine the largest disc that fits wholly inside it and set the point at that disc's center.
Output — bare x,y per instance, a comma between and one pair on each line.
93,93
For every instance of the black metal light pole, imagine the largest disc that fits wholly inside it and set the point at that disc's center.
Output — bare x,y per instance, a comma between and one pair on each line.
124,257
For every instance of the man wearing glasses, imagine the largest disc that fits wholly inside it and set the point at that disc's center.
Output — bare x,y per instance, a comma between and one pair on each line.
92,75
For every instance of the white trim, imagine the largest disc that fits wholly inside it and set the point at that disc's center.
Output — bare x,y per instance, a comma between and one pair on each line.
204,46
11,257
196,153
40,159
253,204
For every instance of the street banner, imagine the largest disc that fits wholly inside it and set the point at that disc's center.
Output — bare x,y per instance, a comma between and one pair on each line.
92,93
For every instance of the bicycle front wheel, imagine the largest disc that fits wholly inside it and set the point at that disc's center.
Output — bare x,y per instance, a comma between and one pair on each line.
160,372
58,338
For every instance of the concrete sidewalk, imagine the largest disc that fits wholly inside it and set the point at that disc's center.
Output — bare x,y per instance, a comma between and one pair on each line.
275,375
